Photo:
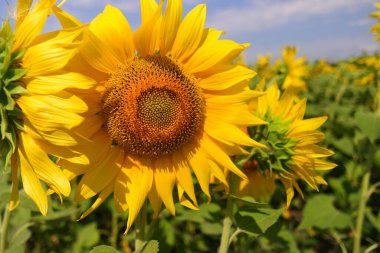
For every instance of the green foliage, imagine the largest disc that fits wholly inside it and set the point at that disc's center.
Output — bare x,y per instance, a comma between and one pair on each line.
10,89
103,249
149,247
256,221
319,212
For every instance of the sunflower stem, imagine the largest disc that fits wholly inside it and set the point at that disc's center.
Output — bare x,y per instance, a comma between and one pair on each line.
140,228
364,196
4,229
227,221
114,229
361,210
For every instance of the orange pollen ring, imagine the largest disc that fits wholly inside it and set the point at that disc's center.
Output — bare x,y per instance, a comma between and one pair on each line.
152,107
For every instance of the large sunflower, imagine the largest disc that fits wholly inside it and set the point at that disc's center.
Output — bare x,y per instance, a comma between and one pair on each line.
36,110
293,152
169,101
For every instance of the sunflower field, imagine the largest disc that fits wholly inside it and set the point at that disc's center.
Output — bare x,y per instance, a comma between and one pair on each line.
164,139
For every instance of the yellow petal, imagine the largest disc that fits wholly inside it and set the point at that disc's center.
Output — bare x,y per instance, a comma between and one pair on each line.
218,173
148,9
164,180
202,170
183,200
155,201
219,156
229,134
101,198
90,185
98,54
185,180
46,170
23,7
139,184
146,37
65,19
307,125
227,79
113,30
214,54
52,54
190,33
234,114
170,23
45,117
240,97
32,185
32,24
67,80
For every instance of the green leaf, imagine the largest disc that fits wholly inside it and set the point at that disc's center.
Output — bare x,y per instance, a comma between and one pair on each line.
257,221
87,236
21,237
211,228
249,201
104,249
345,145
369,124
288,237
320,212
149,247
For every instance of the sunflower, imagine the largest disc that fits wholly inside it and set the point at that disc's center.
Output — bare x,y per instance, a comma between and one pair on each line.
294,70
36,110
169,102
375,29
292,152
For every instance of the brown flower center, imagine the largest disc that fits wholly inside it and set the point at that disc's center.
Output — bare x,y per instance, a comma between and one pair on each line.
152,107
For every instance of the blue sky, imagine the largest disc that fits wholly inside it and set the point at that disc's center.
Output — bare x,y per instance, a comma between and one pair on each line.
332,29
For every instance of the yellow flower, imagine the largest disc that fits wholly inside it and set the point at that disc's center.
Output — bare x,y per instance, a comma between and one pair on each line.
322,67
375,29
295,70
38,110
169,102
292,152
263,67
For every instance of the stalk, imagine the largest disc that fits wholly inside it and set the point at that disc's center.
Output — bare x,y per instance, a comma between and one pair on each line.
364,196
227,221
361,211
4,229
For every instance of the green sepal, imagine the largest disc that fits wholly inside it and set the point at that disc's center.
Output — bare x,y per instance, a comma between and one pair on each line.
6,99
18,54
3,123
16,89
5,154
13,75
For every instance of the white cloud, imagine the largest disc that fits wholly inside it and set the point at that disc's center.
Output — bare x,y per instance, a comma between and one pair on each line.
258,15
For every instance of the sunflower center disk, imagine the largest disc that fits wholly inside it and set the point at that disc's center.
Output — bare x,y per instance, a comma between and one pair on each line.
152,107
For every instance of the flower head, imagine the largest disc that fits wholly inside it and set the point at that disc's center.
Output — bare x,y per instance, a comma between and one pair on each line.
292,152
375,29
36,109
170,101
293,70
